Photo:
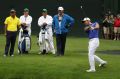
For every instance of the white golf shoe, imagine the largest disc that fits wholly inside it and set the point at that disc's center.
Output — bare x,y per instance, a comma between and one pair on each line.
90,70
103,64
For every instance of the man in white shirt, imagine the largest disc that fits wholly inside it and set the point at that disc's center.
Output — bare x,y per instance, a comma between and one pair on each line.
25,21
46,21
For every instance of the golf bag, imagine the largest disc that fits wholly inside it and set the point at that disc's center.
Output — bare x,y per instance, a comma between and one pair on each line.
24,45
43,37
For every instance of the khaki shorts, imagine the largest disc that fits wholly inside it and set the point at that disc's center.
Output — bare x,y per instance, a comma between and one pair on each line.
106,30
116,29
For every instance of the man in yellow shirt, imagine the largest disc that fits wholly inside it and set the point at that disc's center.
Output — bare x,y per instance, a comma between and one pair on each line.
12,23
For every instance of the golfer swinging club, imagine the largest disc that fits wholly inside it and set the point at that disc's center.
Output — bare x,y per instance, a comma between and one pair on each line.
93,30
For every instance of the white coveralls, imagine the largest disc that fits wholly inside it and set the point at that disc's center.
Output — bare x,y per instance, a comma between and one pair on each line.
48,34
28,21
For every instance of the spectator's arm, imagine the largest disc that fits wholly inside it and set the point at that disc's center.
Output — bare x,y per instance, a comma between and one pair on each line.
6,25
40,23
105,20
19,24
29,21
5,29
71,21
53,24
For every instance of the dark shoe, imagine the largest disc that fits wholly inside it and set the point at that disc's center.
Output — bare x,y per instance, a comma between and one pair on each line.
44,52
61,54
57,55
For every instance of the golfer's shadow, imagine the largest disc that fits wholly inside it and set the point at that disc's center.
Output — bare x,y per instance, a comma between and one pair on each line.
113,52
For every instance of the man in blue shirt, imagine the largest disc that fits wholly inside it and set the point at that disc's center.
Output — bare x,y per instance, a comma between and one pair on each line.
93,30
61,24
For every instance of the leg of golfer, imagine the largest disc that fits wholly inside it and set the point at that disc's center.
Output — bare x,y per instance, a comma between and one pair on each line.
93,45
92,48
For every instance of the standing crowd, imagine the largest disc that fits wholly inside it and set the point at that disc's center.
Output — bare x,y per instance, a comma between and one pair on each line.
59,24
111,26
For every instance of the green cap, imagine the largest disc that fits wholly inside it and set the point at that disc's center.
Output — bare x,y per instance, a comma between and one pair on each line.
44,10
26,10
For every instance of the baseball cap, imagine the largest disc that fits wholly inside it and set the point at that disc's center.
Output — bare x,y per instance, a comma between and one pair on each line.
60,8
12,10
86,19
44,10
26,10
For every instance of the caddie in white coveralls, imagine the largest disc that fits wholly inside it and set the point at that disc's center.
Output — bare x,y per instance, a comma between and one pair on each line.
93,31
26,21
46,20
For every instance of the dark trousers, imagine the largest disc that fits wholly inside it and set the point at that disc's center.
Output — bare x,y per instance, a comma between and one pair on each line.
60,42
10,42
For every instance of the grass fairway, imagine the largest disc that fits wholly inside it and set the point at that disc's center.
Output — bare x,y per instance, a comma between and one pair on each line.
71,66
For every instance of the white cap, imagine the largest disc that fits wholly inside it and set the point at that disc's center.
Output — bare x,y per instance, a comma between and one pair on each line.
86,19
60,8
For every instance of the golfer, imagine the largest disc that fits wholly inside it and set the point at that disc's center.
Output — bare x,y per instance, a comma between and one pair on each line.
93,30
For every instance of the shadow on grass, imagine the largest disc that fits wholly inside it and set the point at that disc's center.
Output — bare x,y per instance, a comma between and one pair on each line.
113,52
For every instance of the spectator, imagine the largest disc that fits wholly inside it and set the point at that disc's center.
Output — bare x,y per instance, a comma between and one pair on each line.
111,23
61,24
26,21
45,23
11,26
106,29
117,28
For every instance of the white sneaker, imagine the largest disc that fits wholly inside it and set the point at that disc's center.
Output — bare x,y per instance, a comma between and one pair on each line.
12,55
18,52
53,52
90,70
5,55
39,53
114,38
103,64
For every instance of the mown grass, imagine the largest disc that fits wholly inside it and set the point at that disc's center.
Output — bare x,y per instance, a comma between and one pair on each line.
71,66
